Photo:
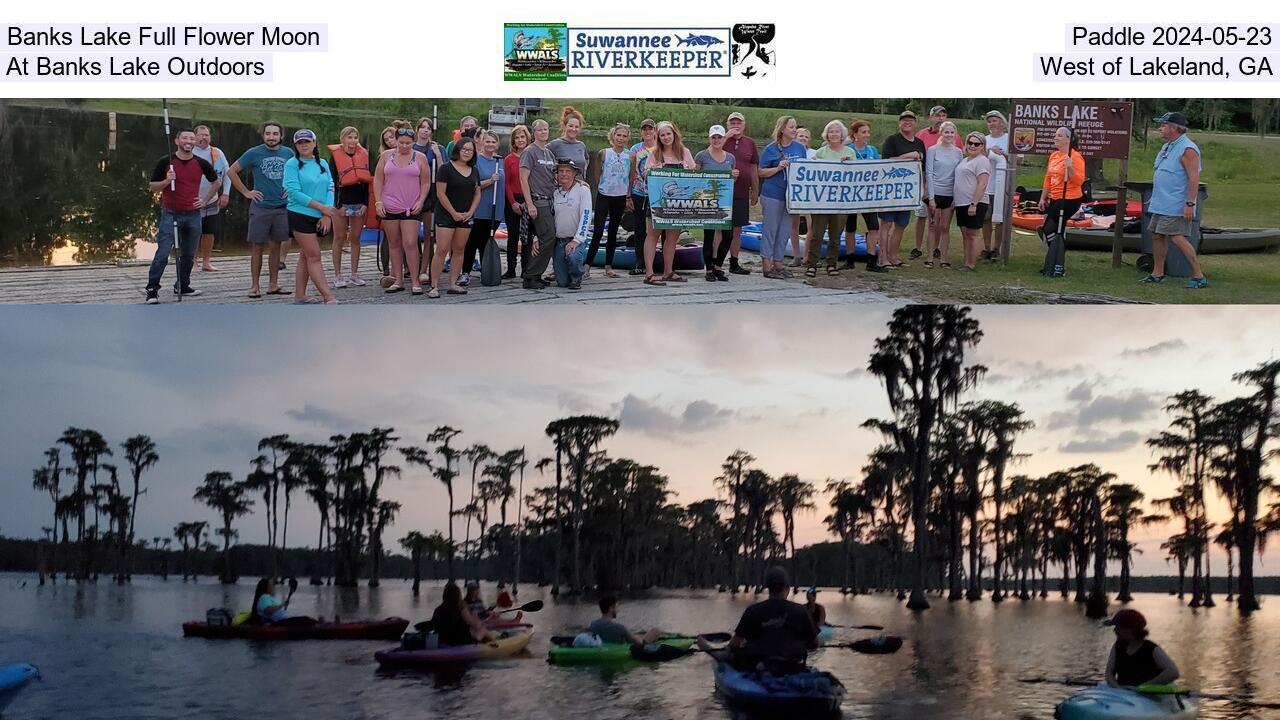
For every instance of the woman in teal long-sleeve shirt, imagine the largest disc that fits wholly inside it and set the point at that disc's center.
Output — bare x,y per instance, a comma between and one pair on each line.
308,184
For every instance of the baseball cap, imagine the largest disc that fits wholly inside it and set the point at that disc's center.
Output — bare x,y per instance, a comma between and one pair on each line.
1173,118
716,130
937,109
735,115
776,577
997,114
648,122
906,114
567,162
304,134
1127,618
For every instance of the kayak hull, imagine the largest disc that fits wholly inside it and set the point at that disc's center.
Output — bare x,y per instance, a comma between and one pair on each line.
506,622
610,652
506,646
688,257
751,241
1213,241
13,678
745,691
1108,703
387,629
826,634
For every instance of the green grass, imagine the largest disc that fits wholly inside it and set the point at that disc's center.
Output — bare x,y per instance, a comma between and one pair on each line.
1234,279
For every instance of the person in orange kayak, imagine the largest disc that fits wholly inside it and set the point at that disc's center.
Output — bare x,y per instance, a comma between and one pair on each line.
1134,659
454,623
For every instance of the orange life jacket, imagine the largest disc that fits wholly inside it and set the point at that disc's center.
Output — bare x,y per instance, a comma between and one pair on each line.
351,169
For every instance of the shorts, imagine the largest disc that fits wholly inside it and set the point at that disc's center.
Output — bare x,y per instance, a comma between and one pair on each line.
211,224
401,216
640,205
353,210
1170,225
303,224
901,218
971,222
268,225
870,220
741,212
445,220
942,202
922,211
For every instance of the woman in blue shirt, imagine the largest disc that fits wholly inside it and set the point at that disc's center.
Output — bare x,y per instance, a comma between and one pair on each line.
860,143
779,225
308,184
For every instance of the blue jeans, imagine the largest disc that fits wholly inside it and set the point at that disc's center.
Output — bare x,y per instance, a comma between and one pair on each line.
189,224
776,234
569,269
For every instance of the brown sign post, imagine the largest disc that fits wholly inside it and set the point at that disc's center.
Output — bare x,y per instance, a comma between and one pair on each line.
1102,130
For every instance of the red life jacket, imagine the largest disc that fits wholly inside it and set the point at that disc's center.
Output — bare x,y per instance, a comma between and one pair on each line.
351,169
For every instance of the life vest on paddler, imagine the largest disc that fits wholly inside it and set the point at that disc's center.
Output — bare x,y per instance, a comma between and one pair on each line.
351,169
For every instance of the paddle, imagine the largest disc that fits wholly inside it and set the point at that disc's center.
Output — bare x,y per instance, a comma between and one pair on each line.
531,606
293,588
1159,690
857,627
878,645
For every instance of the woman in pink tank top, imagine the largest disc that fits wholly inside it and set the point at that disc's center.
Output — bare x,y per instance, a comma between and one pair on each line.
400,184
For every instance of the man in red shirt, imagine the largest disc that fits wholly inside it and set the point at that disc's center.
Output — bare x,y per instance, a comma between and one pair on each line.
746,189
177,178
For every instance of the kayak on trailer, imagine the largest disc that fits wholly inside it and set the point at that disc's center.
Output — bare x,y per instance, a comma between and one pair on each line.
1107,703
667,648
1213,241
387,629
509,644
809,693
12,679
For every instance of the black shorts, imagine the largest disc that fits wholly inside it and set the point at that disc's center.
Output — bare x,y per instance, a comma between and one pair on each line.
640,207
303,224
741,212
401,216
870,220
445,220
942,202
211,224
971,222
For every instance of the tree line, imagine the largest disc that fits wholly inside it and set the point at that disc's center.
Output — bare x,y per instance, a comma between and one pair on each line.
937,505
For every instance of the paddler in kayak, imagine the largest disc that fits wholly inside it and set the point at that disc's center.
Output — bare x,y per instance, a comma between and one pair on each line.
268,610
454,623
1134,659
474,602
772,631
817,613
609,630
504,597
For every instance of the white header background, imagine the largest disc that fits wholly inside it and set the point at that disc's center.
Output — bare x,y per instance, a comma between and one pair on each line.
454,49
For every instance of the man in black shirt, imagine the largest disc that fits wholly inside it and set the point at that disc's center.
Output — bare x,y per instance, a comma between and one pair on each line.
902,145
775,629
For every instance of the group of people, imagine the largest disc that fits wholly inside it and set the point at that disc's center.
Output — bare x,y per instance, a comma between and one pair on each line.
439,206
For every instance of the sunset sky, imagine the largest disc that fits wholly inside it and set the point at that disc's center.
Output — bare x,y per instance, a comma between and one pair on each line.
689,386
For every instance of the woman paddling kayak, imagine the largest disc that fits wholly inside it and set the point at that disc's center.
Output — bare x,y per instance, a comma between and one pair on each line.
455,624
268,610
1134,659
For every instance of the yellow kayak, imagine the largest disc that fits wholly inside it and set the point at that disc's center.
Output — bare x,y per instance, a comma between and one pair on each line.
507,645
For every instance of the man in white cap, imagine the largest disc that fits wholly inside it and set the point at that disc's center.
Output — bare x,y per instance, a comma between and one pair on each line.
746,188
998,153
1175,192
571,203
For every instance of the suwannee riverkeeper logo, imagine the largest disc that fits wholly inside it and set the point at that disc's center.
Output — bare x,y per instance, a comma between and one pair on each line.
555,51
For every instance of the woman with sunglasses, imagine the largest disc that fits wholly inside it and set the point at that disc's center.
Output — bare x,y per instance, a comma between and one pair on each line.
458,192
517,223
1063,191
615,168
669,153
400,186
308,185
489,169
972,177
940,169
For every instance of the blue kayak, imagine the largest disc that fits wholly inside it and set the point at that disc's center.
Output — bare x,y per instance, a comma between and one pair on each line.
12,679
805,694
826,633
751,241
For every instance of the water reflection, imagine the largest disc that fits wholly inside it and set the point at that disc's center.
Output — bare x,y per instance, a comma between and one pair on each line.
113,653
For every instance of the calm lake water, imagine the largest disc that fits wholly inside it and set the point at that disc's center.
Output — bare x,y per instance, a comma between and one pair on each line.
113,653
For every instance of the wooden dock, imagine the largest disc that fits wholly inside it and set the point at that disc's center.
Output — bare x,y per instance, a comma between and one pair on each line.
124,283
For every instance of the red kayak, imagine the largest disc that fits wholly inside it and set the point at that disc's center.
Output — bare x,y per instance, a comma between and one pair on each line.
505,622
388,629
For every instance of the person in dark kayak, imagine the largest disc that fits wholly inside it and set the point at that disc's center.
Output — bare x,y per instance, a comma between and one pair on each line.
268,610
1134,659
454,623
474,602
817,613
770,631
609,630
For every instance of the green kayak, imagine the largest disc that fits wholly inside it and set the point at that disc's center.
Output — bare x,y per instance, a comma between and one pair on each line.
667,648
